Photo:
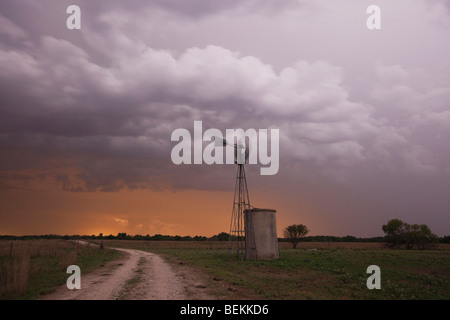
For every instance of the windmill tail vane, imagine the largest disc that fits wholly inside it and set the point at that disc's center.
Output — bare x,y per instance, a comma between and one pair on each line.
241,151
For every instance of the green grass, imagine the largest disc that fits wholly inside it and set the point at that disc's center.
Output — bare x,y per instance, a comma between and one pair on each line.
49,275
38,267
322,273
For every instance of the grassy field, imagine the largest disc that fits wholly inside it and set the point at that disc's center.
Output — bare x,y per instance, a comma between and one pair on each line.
312,271
324,270
30,268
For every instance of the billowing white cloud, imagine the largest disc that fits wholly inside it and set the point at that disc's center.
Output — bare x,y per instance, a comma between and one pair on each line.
122,108
307,101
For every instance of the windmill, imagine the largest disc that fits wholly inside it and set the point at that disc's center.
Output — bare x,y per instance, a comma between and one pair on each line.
241,200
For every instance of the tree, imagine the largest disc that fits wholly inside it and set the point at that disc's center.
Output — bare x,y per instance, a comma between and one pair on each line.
121,236
294,233
223,236
401,234
395,233
421,237
445,239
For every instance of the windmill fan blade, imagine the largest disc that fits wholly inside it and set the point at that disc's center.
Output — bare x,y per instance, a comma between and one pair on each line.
220,142
241,153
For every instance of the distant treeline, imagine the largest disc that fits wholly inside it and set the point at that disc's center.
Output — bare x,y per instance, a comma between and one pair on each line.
119,236
337,239
223,236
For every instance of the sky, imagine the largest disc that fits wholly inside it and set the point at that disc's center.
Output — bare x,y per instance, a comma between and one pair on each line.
86,116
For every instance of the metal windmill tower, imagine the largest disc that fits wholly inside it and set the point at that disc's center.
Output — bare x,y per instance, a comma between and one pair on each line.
241,201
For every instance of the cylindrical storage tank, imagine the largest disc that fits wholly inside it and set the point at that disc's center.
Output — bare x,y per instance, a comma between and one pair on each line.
261,240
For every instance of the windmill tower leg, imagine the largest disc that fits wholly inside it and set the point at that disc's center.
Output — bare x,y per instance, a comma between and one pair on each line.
240,204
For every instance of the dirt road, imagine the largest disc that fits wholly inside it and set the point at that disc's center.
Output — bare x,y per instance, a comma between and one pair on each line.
138,275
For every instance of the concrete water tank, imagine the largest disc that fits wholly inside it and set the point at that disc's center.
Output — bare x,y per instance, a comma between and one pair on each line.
261,240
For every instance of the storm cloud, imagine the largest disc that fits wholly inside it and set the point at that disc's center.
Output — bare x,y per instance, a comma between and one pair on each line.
93,110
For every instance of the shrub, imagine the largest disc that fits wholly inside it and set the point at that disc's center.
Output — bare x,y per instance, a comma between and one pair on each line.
400,234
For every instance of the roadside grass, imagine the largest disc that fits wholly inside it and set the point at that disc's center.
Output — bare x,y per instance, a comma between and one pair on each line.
332,273
37,267
133,282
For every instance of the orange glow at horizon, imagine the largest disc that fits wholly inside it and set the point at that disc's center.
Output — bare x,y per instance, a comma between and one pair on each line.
42,207
184,213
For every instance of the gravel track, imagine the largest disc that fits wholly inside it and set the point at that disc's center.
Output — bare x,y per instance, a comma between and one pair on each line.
138,275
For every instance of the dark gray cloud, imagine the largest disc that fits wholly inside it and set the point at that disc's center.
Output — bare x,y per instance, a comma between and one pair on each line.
104,101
